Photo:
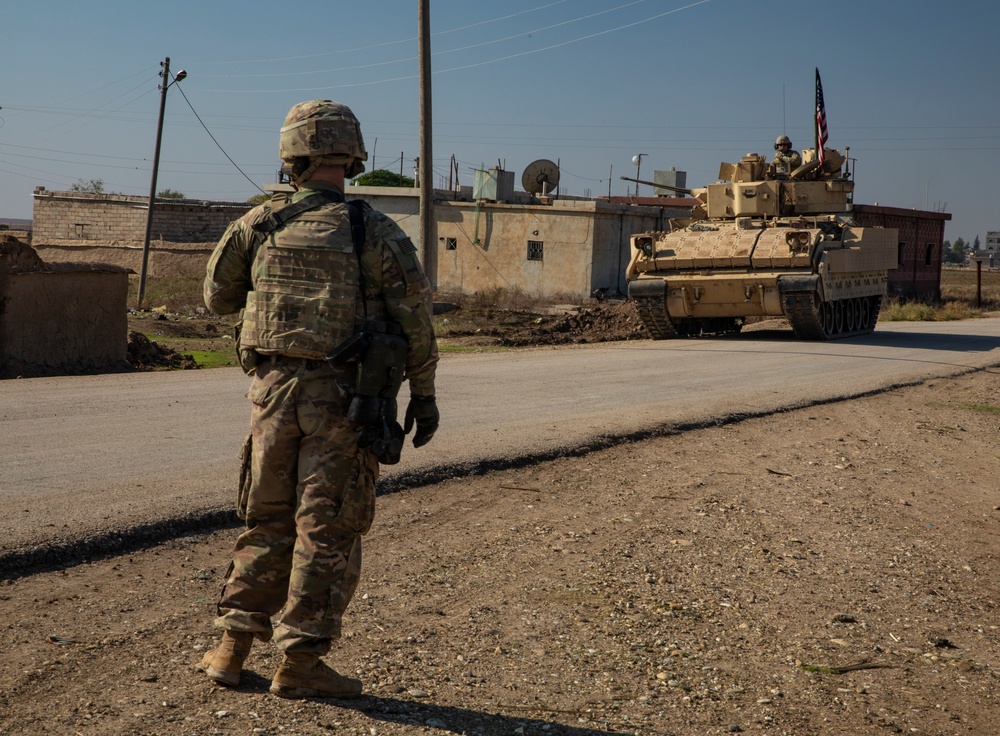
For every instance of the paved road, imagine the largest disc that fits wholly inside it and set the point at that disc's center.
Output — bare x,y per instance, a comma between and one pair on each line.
80,456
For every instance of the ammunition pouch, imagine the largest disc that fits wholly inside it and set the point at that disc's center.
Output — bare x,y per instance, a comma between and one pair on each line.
246,357
380,352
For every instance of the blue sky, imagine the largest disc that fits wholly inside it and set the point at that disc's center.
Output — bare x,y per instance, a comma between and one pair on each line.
912,86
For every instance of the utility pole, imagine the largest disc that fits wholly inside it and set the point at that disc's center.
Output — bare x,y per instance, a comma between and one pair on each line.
428,242
637,160
165,75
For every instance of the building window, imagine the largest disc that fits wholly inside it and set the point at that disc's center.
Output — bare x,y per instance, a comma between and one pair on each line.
902,253
535,250
81,230
929,254
451,243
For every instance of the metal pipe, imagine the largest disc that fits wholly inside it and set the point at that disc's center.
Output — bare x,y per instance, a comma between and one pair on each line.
979,283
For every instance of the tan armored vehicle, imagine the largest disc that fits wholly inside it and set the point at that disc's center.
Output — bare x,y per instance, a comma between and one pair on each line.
762,244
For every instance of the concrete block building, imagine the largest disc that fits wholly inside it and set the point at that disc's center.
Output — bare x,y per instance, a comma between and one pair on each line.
111,228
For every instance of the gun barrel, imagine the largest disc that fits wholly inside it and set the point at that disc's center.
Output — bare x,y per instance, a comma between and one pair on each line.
679,190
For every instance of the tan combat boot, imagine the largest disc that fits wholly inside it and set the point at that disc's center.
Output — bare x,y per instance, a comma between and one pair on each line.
224,663
305,675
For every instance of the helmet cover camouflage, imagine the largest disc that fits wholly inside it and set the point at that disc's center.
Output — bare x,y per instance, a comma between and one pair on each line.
326,130
782,139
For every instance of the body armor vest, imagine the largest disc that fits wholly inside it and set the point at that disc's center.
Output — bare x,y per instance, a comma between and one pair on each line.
307,288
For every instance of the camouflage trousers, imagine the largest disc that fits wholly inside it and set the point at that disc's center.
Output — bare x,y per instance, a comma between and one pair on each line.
311,498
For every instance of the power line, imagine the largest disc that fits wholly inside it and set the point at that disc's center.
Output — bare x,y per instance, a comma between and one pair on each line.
575,40
99,117
436,53
385,43
181,90
476,64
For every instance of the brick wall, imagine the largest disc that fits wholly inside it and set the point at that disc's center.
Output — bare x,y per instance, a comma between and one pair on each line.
921,236
63,217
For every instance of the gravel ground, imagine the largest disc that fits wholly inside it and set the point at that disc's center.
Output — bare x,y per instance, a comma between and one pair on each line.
831,570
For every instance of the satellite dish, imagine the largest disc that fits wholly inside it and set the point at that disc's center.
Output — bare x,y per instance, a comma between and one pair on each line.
540,177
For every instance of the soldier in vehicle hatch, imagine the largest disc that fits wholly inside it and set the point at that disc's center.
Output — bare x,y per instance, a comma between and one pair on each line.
785,160
336,313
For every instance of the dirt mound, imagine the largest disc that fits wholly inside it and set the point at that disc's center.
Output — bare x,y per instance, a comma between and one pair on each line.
146,355
16,256
604,322
179,326
599,322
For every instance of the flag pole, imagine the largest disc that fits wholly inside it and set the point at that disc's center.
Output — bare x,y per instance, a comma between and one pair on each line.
816,120
820,129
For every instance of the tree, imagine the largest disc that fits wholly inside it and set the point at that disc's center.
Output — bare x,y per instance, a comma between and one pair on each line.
947,256
170,194
93,186
976,245
955,252
258,199
958,251
383,178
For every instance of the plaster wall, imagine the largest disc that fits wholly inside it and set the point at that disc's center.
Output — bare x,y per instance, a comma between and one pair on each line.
484,245
63,321
165,258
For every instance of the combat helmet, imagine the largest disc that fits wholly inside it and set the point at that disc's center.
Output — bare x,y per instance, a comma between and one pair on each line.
782,139
325,132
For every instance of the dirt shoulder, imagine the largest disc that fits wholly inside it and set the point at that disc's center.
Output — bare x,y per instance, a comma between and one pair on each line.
831,570
168,337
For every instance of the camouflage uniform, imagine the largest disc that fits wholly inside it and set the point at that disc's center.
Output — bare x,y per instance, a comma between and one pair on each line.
785,162
312,489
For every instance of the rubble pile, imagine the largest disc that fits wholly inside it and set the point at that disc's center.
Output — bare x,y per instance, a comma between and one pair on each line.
147,355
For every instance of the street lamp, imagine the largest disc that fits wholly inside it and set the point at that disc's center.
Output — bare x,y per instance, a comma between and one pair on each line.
637,160
165,74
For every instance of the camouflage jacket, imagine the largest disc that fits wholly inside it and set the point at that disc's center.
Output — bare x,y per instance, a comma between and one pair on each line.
391,271
785,162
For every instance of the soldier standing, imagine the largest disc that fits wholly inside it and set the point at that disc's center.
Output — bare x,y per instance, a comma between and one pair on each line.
785,160
336,311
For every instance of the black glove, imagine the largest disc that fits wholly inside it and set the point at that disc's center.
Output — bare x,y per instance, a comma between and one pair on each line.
422,410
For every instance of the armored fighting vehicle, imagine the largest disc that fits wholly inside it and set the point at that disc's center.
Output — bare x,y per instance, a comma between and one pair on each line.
765,244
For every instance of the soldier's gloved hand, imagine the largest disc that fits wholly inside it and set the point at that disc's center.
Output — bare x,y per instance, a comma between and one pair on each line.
422,410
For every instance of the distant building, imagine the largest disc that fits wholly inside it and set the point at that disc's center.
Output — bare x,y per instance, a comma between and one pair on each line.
111,228
992,241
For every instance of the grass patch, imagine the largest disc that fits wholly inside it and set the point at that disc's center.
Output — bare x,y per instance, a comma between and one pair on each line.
958,299
959,285
897,310
986,408
179,294
212,358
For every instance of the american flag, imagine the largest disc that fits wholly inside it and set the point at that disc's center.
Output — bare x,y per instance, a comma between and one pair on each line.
821,132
